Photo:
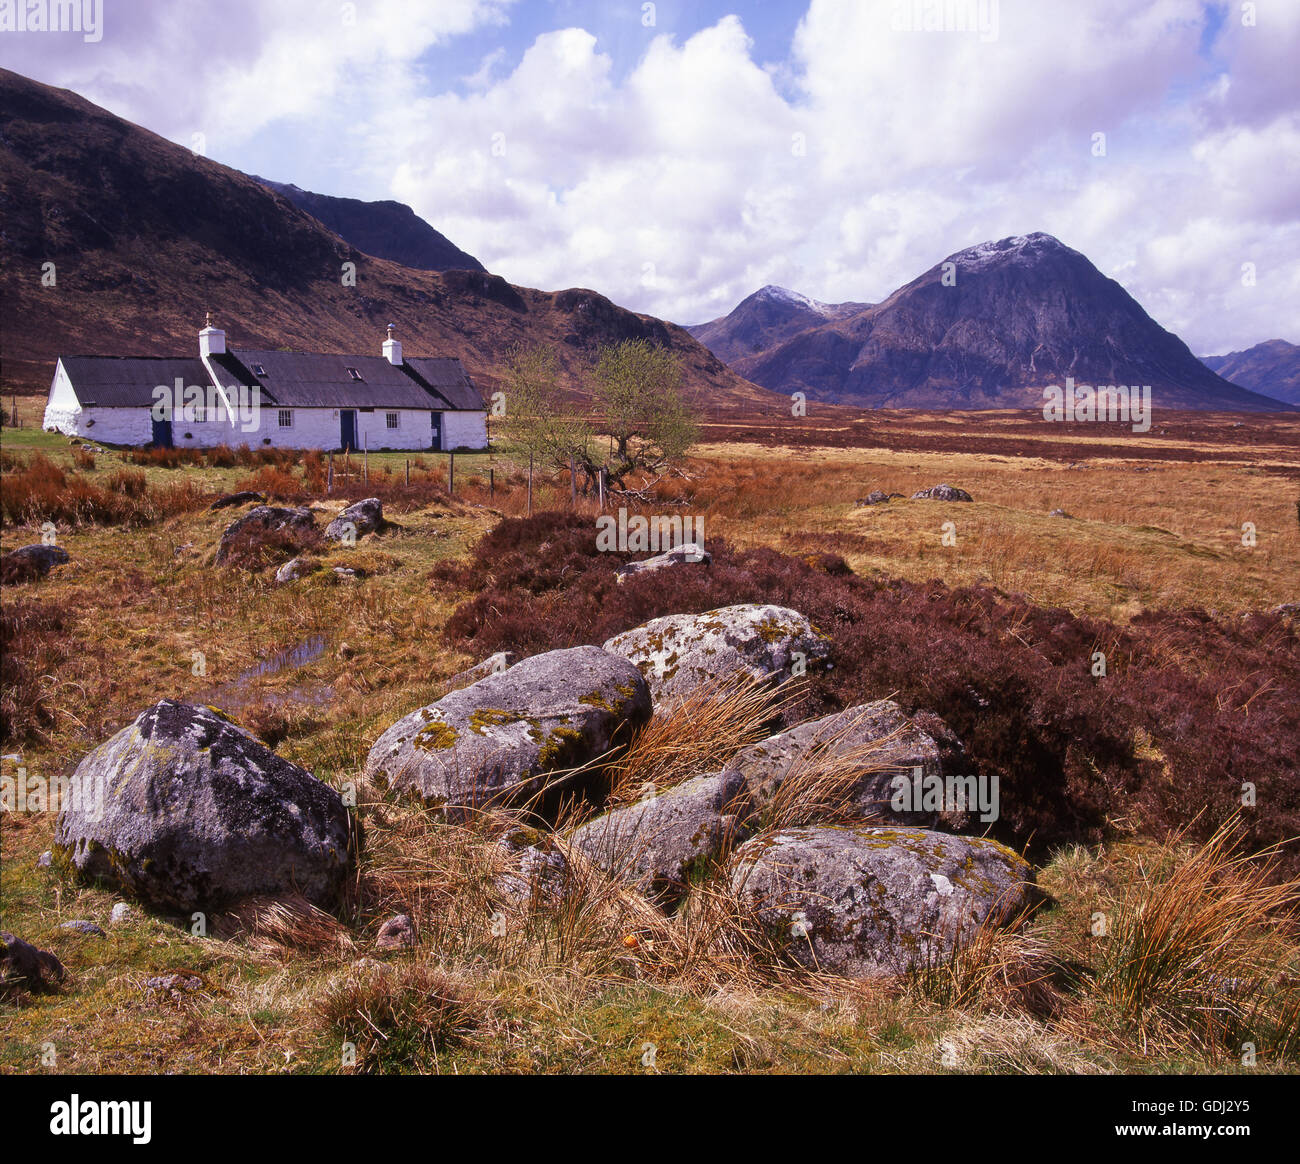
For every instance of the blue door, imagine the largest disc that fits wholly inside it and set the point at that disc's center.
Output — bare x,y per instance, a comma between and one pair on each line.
162,434
348,428
435,442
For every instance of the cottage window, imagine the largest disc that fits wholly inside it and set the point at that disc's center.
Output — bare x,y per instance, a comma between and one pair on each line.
392,419
286,418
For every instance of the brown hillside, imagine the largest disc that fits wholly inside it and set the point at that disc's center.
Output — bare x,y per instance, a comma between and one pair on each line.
146,236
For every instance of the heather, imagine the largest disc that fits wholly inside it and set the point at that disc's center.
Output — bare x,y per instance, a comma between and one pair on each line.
1190,709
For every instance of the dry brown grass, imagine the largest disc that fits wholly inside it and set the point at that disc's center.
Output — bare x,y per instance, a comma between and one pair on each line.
1192,953
699,733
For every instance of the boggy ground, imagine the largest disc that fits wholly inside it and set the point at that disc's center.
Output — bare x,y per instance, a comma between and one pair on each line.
1015,609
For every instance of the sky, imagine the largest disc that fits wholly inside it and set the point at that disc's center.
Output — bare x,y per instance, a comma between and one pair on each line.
677,156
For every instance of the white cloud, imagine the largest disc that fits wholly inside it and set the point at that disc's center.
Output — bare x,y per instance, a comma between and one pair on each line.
686,181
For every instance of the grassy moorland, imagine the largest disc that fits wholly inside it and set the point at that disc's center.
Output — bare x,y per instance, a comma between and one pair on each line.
1125,791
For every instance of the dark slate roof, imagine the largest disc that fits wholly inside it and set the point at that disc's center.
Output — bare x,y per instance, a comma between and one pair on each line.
446,377
314,380
127,382
290,380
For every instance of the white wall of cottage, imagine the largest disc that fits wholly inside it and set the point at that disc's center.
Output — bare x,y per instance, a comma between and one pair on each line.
309,428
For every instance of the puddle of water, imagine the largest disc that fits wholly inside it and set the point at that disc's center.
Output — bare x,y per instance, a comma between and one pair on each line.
298,656
241,692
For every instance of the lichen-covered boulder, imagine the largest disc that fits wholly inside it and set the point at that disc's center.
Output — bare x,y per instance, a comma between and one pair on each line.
688,554
871,902
186,810
678,652
875,748
264,519
357,520
498,740
659,843
941,493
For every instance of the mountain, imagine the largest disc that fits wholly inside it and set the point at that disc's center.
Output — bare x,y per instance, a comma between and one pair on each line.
115,241
1272,368
387,230
767,318
1017,315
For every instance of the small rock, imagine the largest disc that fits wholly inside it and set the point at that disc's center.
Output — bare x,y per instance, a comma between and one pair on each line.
24,967
691,553
271,518
82,926
1059,513
397,933
28,563
121,913
245,498
294,569
941,493
175,985
877,497
45,860
349,572
359,519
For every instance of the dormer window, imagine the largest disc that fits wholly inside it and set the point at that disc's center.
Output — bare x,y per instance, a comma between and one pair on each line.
354,373
258,370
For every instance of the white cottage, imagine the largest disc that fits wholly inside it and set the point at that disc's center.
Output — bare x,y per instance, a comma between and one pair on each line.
296,400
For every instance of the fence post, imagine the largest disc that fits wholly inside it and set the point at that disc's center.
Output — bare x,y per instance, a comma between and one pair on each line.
408,474
492,484
573,482
530,482
365,459
329,475
451,472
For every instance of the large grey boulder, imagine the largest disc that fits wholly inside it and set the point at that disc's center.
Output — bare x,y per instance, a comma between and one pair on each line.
658,844
264,519
498,740
872,902
678,652
186,810
357,520
875,749
689,554
28,563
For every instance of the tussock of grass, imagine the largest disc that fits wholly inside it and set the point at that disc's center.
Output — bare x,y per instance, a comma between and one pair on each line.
1192,953
698,733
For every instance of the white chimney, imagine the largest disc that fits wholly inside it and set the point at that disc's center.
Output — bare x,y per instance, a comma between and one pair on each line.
212,340
392,347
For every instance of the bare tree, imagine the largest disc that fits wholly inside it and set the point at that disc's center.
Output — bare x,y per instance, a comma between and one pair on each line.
637,401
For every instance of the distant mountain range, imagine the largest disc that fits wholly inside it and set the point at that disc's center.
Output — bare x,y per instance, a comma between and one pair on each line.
988,327
1272,368
387,230
115,241
767,318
